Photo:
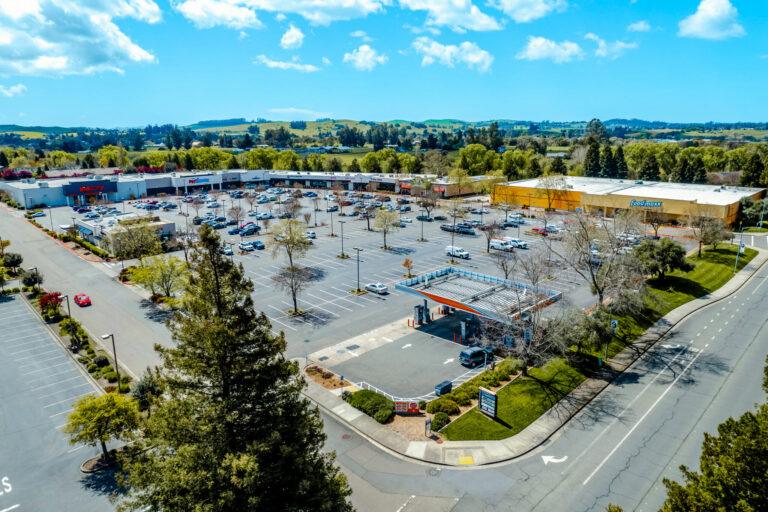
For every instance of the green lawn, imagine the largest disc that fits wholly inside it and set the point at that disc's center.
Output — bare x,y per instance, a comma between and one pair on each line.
527,398
754,229
520,403
711,271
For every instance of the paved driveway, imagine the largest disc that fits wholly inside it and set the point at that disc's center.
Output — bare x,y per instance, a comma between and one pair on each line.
39,469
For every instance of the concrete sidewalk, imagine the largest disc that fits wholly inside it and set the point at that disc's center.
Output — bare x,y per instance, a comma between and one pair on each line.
475,453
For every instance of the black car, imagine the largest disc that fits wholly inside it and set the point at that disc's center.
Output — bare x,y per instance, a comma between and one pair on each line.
440,217
424,218
448,227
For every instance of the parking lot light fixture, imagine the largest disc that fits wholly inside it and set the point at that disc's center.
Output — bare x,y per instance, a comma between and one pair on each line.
342,255
422,214
114,355
358,268
69,313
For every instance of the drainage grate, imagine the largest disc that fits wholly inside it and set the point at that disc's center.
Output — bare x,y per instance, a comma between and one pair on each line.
353,347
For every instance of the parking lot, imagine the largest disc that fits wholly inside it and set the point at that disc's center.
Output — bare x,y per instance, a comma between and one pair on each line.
38,384
332,314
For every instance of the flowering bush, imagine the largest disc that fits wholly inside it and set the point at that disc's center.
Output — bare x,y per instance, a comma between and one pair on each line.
15,174
49,304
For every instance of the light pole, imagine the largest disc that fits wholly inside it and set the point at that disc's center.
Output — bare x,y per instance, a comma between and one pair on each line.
738,251
358,268
342,222
423,212
762,212
231,251
114,355
69,313
50,217
331,212
37,274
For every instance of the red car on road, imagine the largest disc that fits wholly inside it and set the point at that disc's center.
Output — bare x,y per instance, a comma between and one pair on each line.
82,300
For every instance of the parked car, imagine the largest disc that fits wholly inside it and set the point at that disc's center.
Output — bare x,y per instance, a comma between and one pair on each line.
258,245
82,300
250,230
226,250
465,230
501,245
405,208
245,246
516,242
407,220
37,214
457,252
539,231
424,218
440,217
332,208
219,225
311,234
377,288
475,356
234,231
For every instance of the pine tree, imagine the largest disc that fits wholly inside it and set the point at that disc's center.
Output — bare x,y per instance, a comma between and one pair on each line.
592,160
698,170
188,163
3,159
233,432
607,163
752,173
649,168
233,163
354,166
558,166
622,170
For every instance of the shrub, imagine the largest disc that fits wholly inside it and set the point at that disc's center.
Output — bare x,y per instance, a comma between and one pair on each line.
110,389
125,388
445,405
461,397
422,405
84,360
439,420
101,361
373,404
110,376
126,379
92,368
106,369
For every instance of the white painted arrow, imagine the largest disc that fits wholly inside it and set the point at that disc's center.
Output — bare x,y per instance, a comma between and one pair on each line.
554,460
407,345
449,360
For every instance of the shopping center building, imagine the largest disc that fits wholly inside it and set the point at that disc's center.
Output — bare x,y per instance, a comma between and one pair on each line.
31,193
673,202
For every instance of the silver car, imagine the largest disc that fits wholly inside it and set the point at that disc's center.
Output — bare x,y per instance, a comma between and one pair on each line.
378,288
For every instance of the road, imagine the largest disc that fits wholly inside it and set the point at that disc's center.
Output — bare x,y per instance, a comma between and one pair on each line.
641,428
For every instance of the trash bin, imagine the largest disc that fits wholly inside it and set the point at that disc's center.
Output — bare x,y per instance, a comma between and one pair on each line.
443,388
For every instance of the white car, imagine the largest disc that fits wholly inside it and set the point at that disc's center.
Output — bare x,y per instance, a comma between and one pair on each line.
406,219
330,197
378,288
457,252
501,245
516,242
310,234
226,250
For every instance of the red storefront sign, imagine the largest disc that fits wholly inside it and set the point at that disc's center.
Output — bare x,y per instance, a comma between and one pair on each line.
406,407
92,189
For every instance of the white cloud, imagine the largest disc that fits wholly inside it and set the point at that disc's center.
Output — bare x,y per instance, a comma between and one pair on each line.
293,65
281,17
295,113
361,34
240,13
639,26
364,58
459,15
62,37
608,50
214,13
293,38
541,48
523,11
449,55
326,61
714,19
14,90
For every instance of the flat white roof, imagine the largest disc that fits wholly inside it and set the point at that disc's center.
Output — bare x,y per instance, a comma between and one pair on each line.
703,194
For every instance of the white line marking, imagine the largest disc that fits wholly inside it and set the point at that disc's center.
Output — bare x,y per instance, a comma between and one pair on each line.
14,507
653,406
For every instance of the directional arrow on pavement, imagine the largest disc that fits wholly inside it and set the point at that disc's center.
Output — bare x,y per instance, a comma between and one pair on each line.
407,345
449,361
554,460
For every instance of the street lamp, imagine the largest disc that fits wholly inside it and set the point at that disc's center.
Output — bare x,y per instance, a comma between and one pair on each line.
358,268
331,212
342,222
50,217
423,213
69,313
114,355
37,273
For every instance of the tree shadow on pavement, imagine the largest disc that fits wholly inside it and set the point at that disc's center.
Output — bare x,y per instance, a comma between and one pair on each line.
155,313
400,251
315,274
103,482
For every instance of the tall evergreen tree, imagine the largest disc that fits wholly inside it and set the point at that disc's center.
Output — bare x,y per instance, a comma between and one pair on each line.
649,168
607,163
558,166
622,170
698,170
354,166
188,163
592,160
681,173
753,171
233,432
233,163
3,159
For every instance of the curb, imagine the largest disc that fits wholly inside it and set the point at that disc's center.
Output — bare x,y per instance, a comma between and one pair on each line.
549,437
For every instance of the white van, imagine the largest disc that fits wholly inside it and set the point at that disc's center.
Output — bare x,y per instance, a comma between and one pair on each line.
501,245
456,252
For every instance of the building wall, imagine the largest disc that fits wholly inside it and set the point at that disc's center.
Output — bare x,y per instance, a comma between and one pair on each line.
537,197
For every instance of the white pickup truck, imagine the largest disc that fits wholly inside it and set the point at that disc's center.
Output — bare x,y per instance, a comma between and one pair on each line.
501,245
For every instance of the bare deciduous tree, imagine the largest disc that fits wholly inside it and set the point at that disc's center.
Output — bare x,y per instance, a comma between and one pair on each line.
506,262
236,213
491,231
293,279
386,222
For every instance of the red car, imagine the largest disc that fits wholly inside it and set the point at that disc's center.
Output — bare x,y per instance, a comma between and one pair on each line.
82,300
540,231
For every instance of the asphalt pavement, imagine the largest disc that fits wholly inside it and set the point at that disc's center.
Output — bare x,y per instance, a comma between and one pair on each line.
39,469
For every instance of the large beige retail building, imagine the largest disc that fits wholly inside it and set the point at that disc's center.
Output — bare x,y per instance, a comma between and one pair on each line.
674,202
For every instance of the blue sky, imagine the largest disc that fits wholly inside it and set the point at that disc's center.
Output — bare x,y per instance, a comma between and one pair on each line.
118,63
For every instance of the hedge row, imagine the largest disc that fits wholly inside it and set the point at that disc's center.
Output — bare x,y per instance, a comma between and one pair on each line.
65,237
371,403
463,395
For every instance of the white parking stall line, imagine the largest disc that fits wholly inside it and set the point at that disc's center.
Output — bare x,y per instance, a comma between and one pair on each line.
58,391
57,382
37,346
55,349
37,362
16,337
60,413
336,298
36,341
273,319
315,306
352,287
70,399
326,301
48,367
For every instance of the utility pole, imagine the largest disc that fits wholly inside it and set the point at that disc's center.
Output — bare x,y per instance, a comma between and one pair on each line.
114,355
358,268
342,255
738,251
423,213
